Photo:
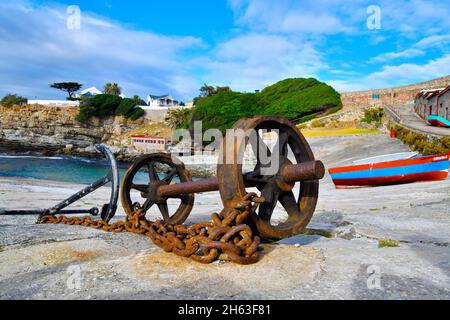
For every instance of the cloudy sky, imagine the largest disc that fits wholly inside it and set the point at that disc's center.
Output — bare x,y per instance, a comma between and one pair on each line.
159,47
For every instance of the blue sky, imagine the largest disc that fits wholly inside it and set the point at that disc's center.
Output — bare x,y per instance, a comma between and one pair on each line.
159,47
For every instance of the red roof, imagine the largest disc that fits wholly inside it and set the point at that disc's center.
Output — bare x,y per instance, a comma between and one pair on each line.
147,137
444,91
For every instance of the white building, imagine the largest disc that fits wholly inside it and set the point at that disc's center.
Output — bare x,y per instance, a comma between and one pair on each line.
148,144
55,103
165,101
89,92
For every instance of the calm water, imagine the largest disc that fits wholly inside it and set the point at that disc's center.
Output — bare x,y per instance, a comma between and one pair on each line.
65,169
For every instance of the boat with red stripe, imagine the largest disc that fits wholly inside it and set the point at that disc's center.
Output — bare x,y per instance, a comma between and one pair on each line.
391,169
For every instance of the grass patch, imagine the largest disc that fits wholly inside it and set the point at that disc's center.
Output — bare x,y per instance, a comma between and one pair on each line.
332,132
374,209
388,243
322,233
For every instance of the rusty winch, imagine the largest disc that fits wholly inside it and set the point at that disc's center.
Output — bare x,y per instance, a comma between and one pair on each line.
246,219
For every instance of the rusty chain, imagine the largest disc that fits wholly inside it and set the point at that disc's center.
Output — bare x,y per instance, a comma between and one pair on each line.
226,237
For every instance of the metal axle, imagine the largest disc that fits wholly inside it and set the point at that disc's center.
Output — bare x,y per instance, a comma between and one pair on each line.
291,173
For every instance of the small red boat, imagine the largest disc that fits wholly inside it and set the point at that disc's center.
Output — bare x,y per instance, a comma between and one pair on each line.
391,169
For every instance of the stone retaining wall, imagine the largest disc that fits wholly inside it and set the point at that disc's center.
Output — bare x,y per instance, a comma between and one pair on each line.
392,96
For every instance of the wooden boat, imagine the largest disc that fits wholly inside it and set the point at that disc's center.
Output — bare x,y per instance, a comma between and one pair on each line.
390,170
437,121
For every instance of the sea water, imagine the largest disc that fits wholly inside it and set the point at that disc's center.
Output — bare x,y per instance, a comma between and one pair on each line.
66,169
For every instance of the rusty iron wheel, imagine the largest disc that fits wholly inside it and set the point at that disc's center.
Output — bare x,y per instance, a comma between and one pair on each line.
300,209
161,170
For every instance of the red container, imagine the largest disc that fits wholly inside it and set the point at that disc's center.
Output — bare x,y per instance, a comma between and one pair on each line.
393,133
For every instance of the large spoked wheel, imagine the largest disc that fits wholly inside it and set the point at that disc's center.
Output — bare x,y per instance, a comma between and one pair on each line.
290,147
142,180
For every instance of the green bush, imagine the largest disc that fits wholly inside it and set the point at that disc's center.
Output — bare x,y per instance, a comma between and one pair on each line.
86,110
178,118
126,107
13,100
317,124
295,99
138,112
105,105
421,142
446,142
373,115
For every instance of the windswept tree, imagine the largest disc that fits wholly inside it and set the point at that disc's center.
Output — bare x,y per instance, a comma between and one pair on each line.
208,91
69,87
112,88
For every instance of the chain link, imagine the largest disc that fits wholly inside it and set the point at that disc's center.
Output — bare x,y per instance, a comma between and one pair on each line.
226,237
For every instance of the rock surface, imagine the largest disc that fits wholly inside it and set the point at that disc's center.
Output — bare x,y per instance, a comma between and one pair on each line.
44,261
37,127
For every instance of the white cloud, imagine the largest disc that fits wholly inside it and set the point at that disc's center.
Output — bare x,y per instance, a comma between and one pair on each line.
287,16
408,53
253,61
434,40
405,72
415,17
417,49
402,74
36,49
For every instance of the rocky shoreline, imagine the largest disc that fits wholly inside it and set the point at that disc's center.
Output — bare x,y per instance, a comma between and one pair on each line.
123,155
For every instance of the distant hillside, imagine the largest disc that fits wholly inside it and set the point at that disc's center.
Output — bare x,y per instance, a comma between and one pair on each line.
297,99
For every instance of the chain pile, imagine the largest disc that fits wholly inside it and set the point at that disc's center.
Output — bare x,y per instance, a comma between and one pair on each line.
226,237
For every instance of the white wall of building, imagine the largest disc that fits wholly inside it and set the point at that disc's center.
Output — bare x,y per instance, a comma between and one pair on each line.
59,103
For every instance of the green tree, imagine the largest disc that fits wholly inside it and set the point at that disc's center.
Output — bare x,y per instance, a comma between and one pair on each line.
69,87
138,112
208,91
112,89
13,100
177,117
138,101
126,107
294,99
105,105
86,110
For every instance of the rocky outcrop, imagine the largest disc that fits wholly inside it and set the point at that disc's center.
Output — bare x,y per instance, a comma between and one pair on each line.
56,130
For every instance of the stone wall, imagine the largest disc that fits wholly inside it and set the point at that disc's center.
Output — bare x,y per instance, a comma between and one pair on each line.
391,96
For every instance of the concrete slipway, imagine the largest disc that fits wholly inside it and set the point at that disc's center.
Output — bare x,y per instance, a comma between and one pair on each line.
46,261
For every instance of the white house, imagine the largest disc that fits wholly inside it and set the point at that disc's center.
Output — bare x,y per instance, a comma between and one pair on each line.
89,92
165,101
